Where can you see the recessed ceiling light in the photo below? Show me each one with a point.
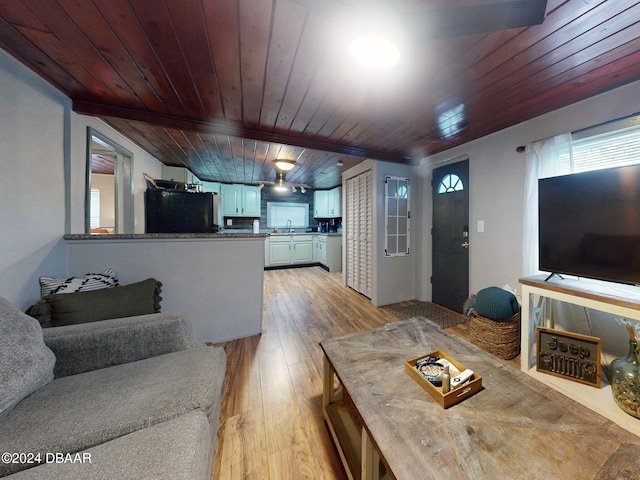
(375, 51)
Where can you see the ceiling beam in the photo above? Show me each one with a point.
(179, 123)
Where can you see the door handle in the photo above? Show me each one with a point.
(465, 245)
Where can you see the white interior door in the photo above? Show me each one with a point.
(359, 233)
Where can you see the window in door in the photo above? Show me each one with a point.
(397, 216)
(450, 183)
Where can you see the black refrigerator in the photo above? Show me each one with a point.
(178, 211)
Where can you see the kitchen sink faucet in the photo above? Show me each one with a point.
(290, 225)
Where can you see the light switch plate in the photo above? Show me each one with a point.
(480, 226)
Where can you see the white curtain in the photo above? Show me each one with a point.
(542, 160)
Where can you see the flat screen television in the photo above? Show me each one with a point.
(589, 224)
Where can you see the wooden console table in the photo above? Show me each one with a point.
(620, 300)
(386, 426)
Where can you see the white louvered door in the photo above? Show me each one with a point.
(359, 226)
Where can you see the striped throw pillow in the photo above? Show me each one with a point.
(91, 281)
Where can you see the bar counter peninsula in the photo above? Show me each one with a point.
(217, 279)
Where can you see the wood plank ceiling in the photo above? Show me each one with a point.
(224, 87)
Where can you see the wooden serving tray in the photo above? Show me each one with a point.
(445, 400)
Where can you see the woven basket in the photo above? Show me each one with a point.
(502, 338)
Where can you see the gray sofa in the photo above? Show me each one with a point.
(132, 398)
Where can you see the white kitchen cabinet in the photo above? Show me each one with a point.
(288, 250)
(331, 254)
(283, 250)
(211, 187)
(321, 204)
(335, 202)
(176, 174)
(302, 249)
(279, 253)
(316, 249)
(181, 174)
(240, 200)
(327, 203)
(230, 200)
(251, 197)
(321, 249)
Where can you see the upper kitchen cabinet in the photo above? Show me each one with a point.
(240, 200)
(327, 203)
(181, 174)
(321, 204)
(335, 202)
(211, 187)
(177, 174)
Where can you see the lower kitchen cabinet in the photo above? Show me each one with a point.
(288, 250)
(331, 255)
(320, 249)
(283, 250)
(302, 249)
(279, 253)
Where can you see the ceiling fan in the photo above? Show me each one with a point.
(281, 184)
(443, 18)
(282, 166)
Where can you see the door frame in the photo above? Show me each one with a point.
(123, 179)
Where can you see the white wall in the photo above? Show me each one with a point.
(43, 151)
(496, 174)
(32, 196)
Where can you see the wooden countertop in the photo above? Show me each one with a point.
(516, 427)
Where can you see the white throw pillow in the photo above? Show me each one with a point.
(26, 363)
(91, 281)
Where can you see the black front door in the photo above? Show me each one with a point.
(450, 233)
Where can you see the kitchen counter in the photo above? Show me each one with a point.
(161, 236)
(304, 233)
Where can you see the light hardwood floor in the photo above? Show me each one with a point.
(271, 425)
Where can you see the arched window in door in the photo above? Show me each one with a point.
(450, 183)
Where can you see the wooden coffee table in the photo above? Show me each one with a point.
(386, 426)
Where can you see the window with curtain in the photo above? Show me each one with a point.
(397, 215)
(614, 144)
(609, 146)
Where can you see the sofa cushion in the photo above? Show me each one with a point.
(26, 363)
(177, 449)
(88, 282)
(90, 346)
(74, 413)
(82, 307)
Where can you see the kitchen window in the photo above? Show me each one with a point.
(287, 215)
